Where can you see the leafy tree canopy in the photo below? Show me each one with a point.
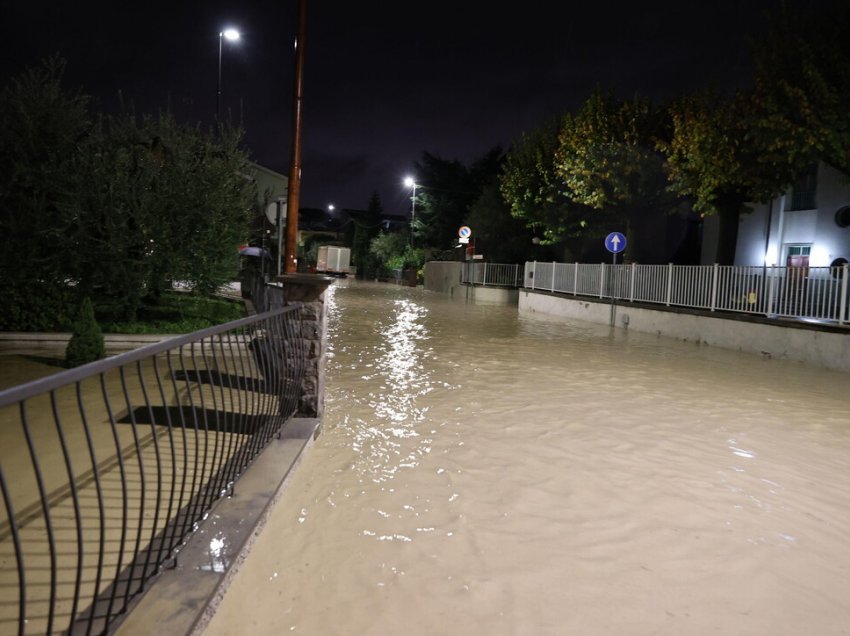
(445, 193)
(111, 208)
(802, 89)
(607, 155)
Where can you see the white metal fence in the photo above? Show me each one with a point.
(498, 274)
(813, 293)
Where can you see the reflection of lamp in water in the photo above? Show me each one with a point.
(218, 556)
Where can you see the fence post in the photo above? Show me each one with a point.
(771, 291)
(575, 280)
(533, 273)
(485, 274)
(669, 282)
(714, 273)
(842, 317)
(552, 288)
(601, 279)
(632, 284)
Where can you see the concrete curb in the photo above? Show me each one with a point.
(183, 599)
(12, 342)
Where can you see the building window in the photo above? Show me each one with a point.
(803, 191)
(799, 250)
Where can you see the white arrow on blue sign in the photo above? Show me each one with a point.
(615, 242)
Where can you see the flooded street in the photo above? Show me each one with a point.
(484, 472)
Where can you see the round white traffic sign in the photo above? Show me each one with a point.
(464, 232)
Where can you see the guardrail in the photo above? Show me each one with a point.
(497, 274)
(106, 469)
(811, 293)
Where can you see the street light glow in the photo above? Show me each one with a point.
(331, 207)
(231, 34)
(409, 182)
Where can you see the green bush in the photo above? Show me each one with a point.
(37, 306)
(86, 344)
(176, 312)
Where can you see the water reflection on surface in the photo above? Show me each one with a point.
(484, 472)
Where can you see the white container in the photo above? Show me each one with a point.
(333, 260)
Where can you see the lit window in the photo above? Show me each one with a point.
(799, 250)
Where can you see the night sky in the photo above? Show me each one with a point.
(383, 81)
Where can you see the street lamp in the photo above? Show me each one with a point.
(410, 183)
(231, 35)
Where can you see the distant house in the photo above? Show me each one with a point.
(272, 191)
(809, 226)
(337, 226)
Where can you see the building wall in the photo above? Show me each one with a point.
(816, 227)
(277, 185)
(443, 276)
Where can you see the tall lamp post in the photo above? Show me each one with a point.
(231, 35)
(410, 183)
(294, 193)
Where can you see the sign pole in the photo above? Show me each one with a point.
(613, 295)
(615, 243)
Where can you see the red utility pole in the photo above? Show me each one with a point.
(290, 261)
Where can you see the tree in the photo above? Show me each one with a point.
(500, 236)
(42, 126)
(535, 194)
(155, 201)
(394, 252)
(447, 190)
(711, 162)
(111, 208)
(366, 227)
(205, 200)
(86, 343)
(608, 161)
(802, 88)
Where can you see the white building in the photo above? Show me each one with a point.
(807, 227)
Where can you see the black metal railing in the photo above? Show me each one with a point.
(106, 469)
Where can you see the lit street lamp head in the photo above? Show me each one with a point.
(230, 34)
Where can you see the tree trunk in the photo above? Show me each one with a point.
(728, 213)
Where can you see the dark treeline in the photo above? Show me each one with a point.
(110, 207)
(627, 164)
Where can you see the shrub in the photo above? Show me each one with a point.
(86, 344)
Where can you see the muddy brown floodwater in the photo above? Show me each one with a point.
(484, 472)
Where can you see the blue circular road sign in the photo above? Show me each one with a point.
(615, 242)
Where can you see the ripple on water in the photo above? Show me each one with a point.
(484, 472)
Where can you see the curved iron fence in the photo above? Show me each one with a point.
(106, 469)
